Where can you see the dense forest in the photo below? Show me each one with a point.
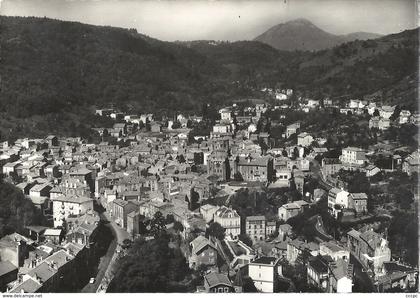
(53, 69)
(16, 212)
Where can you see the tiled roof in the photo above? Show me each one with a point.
(214, 279)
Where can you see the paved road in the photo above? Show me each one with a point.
(316, 171)
(119, 235)
(107, 262)
(362, 282)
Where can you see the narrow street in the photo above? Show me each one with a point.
(362, 281)
(107, 262)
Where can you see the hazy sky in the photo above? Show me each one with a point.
(223, 20)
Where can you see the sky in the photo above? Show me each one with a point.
(222, 19)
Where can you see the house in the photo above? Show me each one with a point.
(155, 127)
(371, 170)
(8, 273)
(133, 221)
(292, 209)
(51, 141)
(312, 103)
(292, 129)
(384, 124)
(230, 220)
(285, 231)
(264, 272)
(208, 211)
(255, 227)
(218, 165)
(119, 130)
(386, 111)
(330, 166)
(10, 168)
(404, 117)
(296, 248)
(397, 276)
(270, 228)
(411, 163)
(85, 176)
(281, 96)
(371, 249)
(226, 114)
(304, 139)
(334, 250)
(317, 271)
(283, 175)
(340, 276)
(104, 112)
(254, 169)
(120, 210)
(218, 283)
(14, 248)
(338, 200)
(374, 122)
(353, 156)
(371, 108)
(53, 235)
(203, 252)
(50, 275)
(359, 202)
(40, 190)
(70, 205)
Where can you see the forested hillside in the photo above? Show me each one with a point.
(53, 72)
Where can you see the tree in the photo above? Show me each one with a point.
(180, 158)
(238, 177)
(178, 227)
(150, 266)
(169, 219)
(216, 230)
(246, 239)
(16, 211)
(157, 224)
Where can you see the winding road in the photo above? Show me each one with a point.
(107, 262)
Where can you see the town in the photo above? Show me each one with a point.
(282, 193)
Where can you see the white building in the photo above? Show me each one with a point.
(66, 206)
(208, 211)
(404, 117)
(340, 277)
(334, 250)
(230, 220)
(304, 139)
(264, 273)
(221, 129)
(353, 155)
(386, 111)
(337, 201)
(225, 114)
(281, 96)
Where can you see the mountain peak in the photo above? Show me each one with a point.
(299, 21)
(302, 34)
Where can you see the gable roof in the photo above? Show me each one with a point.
(199, 243)
(214, 279)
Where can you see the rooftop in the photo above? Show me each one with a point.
(265, 260)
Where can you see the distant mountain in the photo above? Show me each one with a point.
(54, 72)
(301, 34)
